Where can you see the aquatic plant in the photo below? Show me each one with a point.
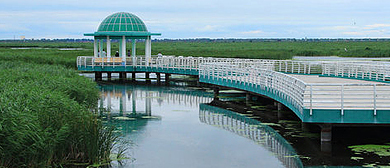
(46, 118)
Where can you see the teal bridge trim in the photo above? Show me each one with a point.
(354, 116)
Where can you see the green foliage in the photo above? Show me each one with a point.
(46, 119)
(271, 50)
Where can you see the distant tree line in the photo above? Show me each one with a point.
(232, 40)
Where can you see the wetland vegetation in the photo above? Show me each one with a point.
(241, 49)
(46, 112)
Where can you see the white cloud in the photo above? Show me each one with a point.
(253, 32)
(209, 28)
(375, 26)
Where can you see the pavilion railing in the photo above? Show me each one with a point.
(287, 66)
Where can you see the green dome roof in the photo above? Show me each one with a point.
(122, 22)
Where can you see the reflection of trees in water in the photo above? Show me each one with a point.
(251, 129)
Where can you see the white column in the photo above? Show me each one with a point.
(95, 47)
(133, 54)
(123, 49)
(108, 46)
(148, 50)
(100, 43)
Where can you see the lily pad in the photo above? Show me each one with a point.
(380, 150)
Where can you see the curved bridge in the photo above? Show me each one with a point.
(316, 91)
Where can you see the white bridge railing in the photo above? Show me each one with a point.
(285, 86)
(288, 66)
(264, 74)
(301, 95)
(371, 70)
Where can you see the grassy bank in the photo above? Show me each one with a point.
(259, 50)
(45, 112)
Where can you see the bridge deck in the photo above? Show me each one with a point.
(356, 94)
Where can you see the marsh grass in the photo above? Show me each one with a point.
(245, 49)
(46, 118)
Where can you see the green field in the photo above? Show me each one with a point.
(259, 50)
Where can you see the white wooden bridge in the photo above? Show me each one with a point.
(316, 91)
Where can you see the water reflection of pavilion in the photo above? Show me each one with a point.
(123, 100)
(252, 129)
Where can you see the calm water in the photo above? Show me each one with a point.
(172, 127)
(176, 127)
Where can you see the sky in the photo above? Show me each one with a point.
(182, 19)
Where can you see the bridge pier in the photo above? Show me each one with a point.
(158, 78)
(98, 76)
(216, 93)
(326, 138)
(167, 75)
(133, 76)
(248, 98)
(122, 75)
(147, 77)
(109, 75)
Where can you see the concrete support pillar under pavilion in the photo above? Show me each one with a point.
(108, 46)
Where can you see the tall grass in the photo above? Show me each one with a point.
(46, 119)
(246, 49)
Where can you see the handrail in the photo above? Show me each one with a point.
(285, 86)
(301, 95)
(270, 75)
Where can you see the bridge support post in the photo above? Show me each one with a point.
(133, 76)
(216, 93)
(109, 75)
(158, 78)
(280, 106)
(98, 76)
(326, 138)
(122, 75)
(248, 98)
(147, 77)
(167, 75)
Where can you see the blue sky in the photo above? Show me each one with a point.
(201, 18)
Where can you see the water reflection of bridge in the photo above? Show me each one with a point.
(122, 99)
(251, 129)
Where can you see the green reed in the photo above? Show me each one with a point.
(46, 118)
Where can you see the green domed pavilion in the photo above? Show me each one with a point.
(122, 26)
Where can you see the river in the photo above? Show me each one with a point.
(181, 126)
